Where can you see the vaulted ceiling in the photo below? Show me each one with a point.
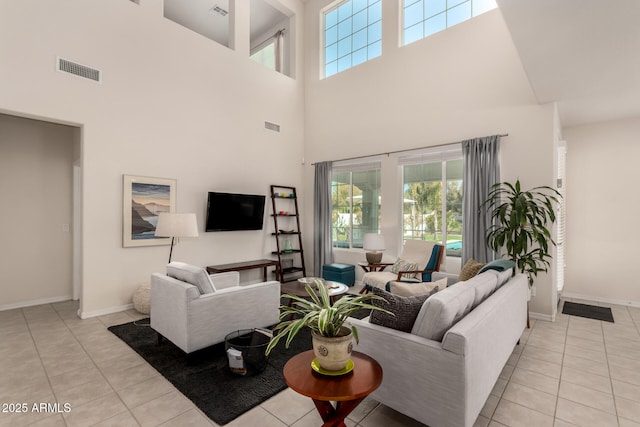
(583, 54)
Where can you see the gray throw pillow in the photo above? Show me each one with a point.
(405, 309)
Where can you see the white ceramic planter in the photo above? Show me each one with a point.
(332, 353)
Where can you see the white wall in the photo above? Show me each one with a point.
(602, 211)
(35, 188)
(458, 84)
(172, 104)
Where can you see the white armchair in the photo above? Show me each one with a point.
(193, 319)
(428, 257)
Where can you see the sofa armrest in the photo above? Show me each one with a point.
(169, 306)
(418, 373)
(212, 316)
(225, 280)
(269, 288)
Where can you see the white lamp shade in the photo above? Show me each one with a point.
(373, 242)
(177, 225)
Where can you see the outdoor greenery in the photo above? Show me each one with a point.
(423, 210)
(356, 204)
(520, 225)
(318, 314)
(355, 201)
(340, 197)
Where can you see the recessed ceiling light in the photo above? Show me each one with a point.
(218, 10)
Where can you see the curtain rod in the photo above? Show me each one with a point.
(282, 30)
(400, 151)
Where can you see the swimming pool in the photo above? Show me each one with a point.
(454, 248)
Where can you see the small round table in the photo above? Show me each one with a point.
(296, 288)
(346, 390)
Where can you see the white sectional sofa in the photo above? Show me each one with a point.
(442, 373)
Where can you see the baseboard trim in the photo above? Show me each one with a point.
(31, 303)
(104, 311)
(601, 300)
(540, 316)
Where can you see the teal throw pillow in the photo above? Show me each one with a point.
(498, 265)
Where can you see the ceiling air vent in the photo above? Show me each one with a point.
(272, 126)
(218, 10)
(79, 70)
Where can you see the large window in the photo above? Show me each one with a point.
(352, 34)
(355, 200)
(432, 204)
(422, 18)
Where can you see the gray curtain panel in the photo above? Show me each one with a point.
(481, 166)
(322, 242)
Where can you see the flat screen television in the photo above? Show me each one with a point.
(230, 212)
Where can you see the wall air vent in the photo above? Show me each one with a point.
(79, 70)
(218, 10)
(272, 126)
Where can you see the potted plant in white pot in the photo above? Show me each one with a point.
(520, 225)
(331, 338)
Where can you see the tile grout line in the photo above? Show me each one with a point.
(99, 370)
(600, 325)
(28, 323)
(613, 394)
(491, 419)
(564, 353)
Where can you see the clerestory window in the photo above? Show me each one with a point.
(422, 18)
(352, 34)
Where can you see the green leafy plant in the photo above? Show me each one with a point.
(520, 225)
(319, 314)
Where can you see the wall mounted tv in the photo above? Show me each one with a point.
(230, 212)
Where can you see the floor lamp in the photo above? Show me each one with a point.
(176, 225)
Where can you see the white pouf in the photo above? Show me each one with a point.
(142, 298)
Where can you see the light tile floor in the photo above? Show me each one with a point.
(571, 372)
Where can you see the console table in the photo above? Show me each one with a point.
(245, 265)
(346, 390)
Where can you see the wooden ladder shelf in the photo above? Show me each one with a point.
(284, 201)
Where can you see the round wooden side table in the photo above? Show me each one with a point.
(346, 390)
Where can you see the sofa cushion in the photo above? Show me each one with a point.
(404, 309)
(484, 284)
(415, 288)
(196, 276)
(379, 279)
(503, 277)
(443, 310)
(470, 269)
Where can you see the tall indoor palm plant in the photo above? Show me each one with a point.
(520, 221)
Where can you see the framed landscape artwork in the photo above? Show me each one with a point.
(144, 199)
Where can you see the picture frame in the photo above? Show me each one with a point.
(143, 199)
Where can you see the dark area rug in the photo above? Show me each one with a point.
(588, 311)
(204, 376)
